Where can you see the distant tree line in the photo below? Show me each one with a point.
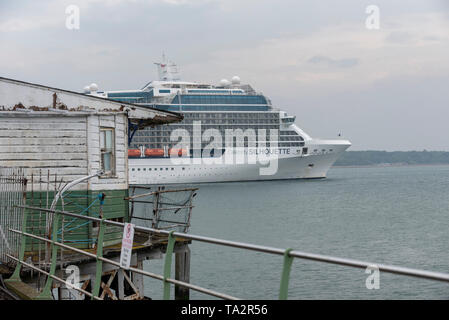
(366, 158)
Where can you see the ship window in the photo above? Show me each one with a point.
(107, 149)
(305, 150)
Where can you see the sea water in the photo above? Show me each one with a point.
(388, 215)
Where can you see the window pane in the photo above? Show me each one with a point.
(108, 139)
(102, 146)
(107, 161)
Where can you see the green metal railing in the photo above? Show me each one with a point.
(288, 255)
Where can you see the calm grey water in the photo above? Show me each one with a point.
(391, 215)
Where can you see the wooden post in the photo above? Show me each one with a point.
(138, 279)
(120, 287)
(182, 273)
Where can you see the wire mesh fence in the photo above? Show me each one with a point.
(162, 209)
(37, 188)
(13, 186)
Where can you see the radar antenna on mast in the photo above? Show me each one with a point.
(167, 70)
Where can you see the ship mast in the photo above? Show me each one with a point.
(167, 70)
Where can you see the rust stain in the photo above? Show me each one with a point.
(55, 97)
(36, 108)
(18, 106)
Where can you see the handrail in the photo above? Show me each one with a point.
(117, 264)
(288, 254)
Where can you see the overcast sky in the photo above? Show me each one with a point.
(385, 89)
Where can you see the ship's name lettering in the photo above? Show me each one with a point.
(268, 151)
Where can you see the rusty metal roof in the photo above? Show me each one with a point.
(27, 98)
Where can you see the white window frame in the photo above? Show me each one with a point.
(104, 150)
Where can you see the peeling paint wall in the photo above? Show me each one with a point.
(67, 146)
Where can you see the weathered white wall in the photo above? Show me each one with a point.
(68, 146)
(118, 122)
(54, 142)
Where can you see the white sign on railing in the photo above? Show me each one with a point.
(127, 245)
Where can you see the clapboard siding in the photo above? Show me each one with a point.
(42, 126)
(20, 133)
(48, 163)
(57, 143)
(42, 149)
(48, 155)
(48, 119)
(43, 141)
(68, 146)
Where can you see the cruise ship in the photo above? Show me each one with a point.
(230, 132)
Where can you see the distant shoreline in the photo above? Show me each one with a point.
(374, 158)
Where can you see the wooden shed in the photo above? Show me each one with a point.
(59, 136)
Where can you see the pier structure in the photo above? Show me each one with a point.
(73, 272)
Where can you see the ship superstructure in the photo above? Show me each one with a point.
(212, 114)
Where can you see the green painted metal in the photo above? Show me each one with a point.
(288, 260)
(16, 275)
(78, 233)
(46, 292)
(167, 264)
(99, 269)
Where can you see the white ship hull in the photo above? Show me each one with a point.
(290, 165)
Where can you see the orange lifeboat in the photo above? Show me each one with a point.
(134, 153)
(180, 152)
(154, 152)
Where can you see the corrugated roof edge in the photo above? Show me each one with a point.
(180, 116)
